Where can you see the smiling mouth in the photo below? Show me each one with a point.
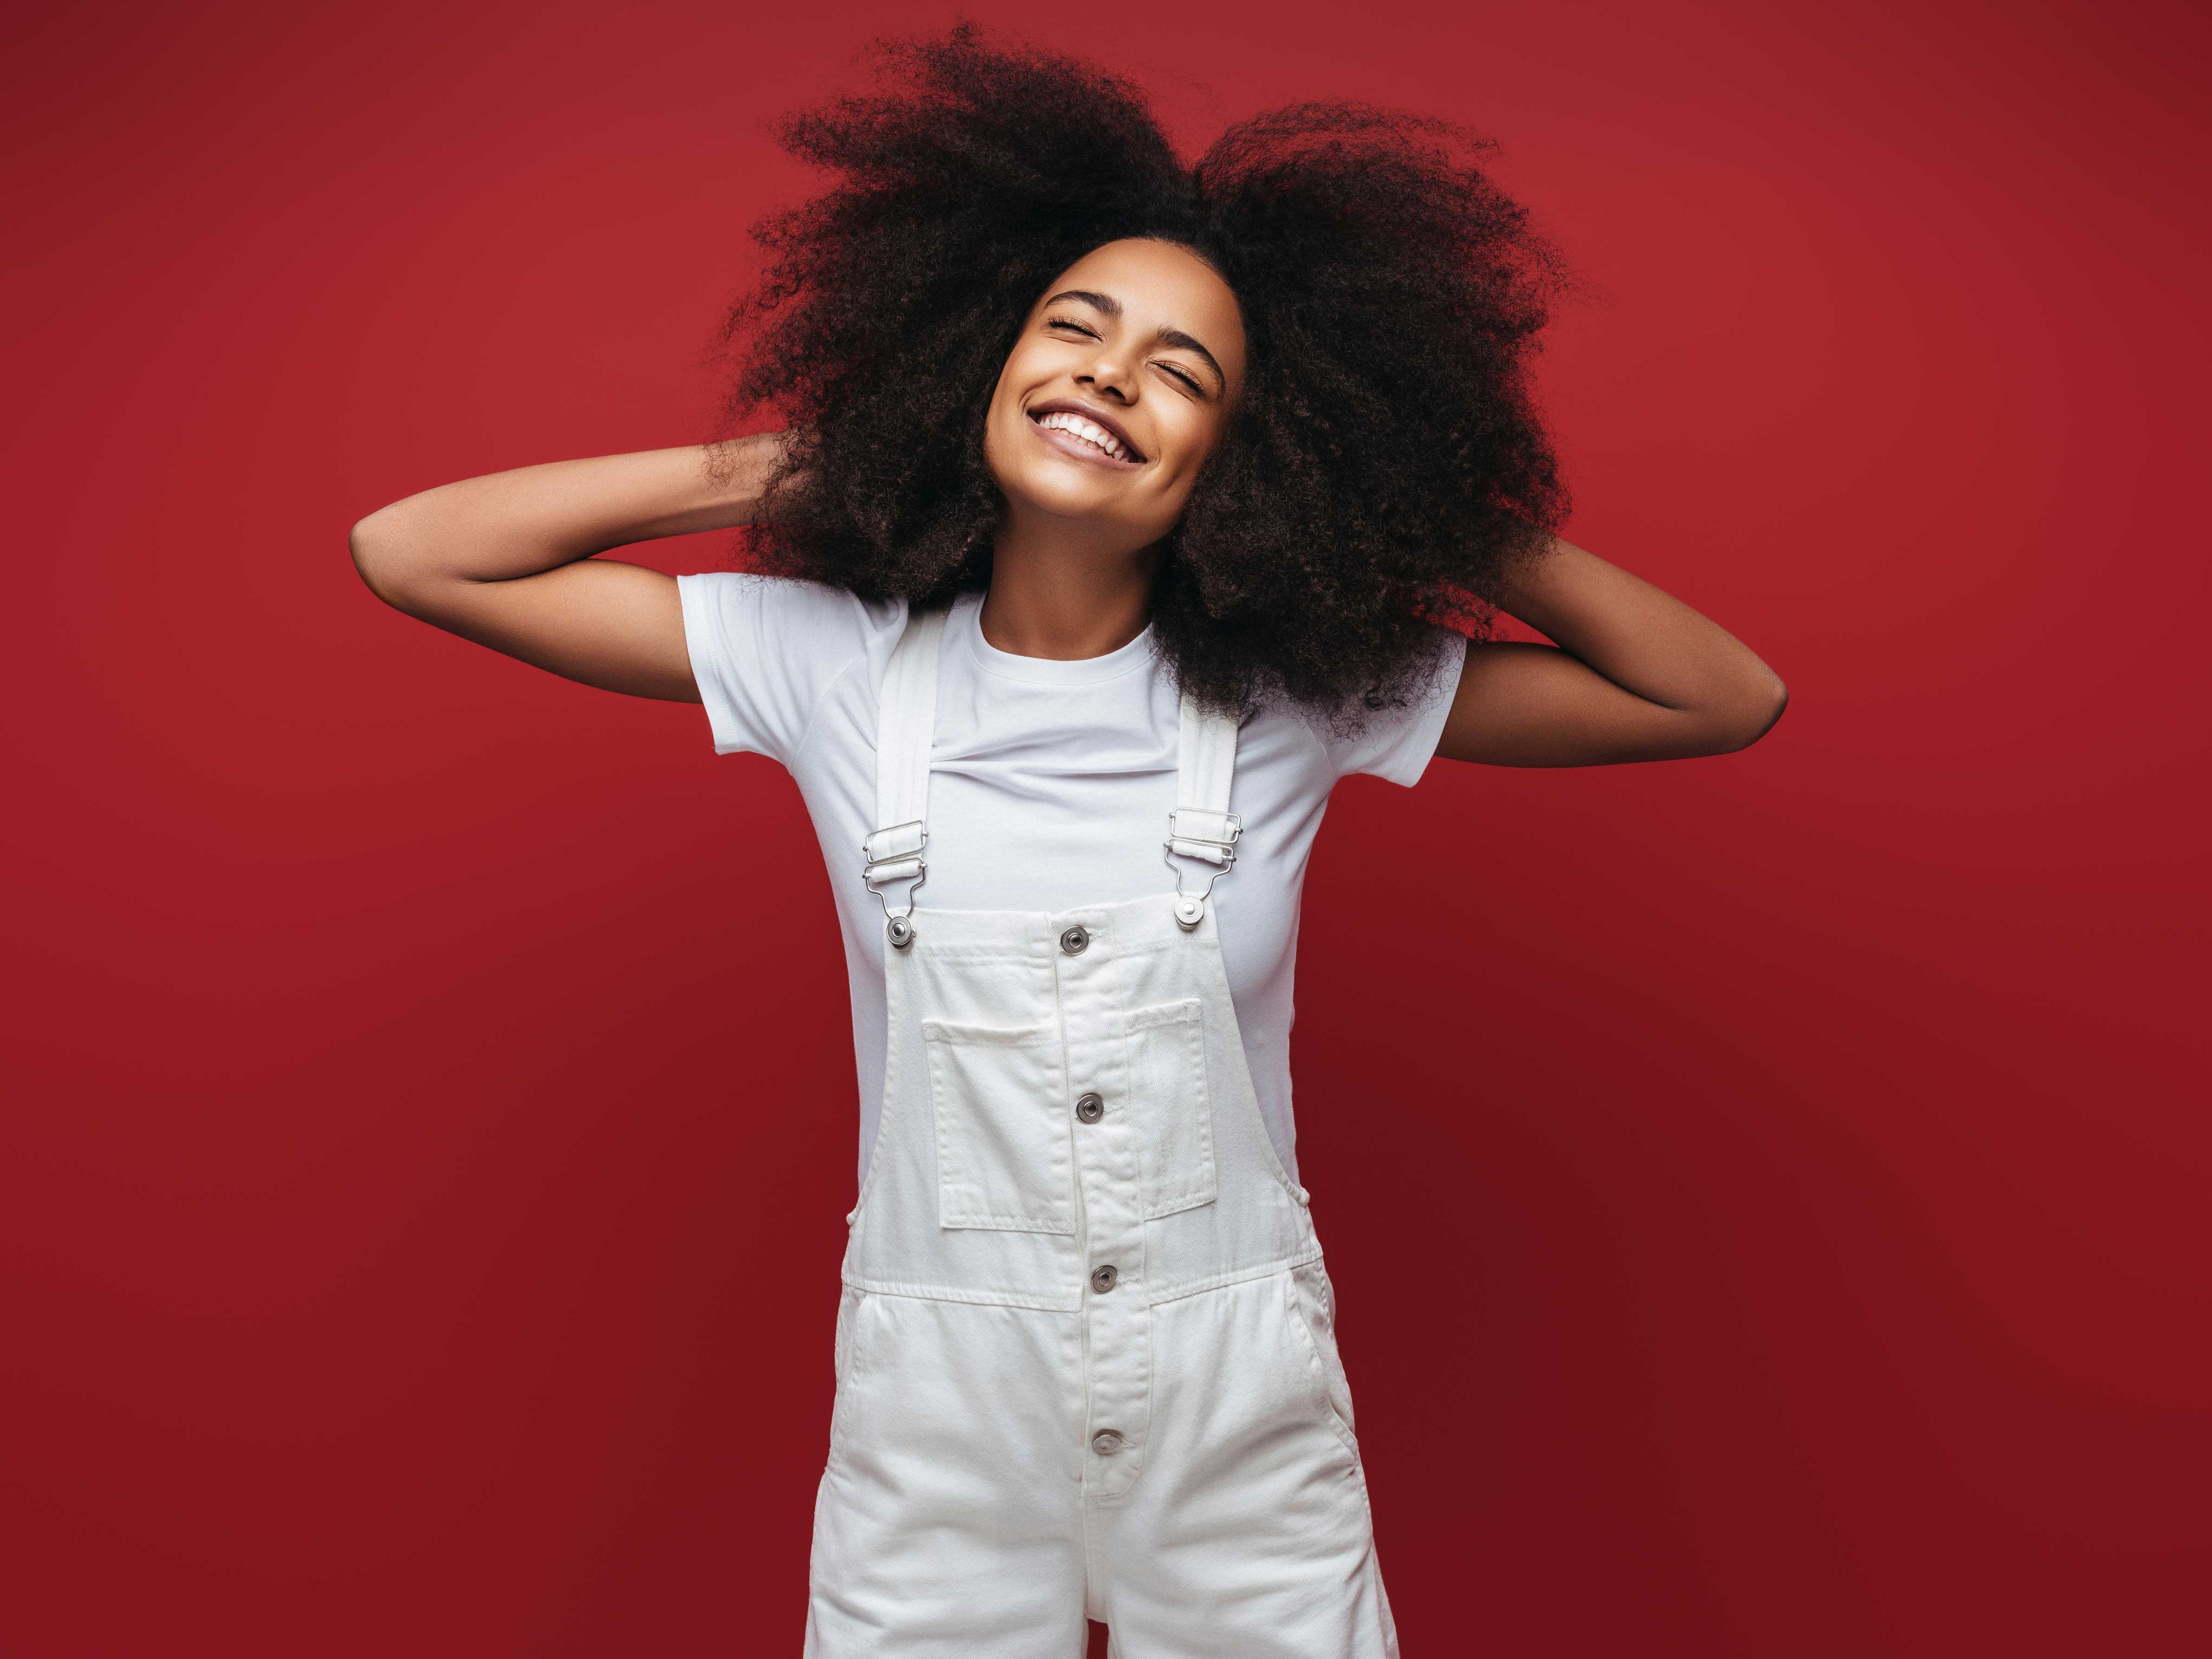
(1080, 435)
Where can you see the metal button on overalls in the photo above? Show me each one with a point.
(1088, 1368)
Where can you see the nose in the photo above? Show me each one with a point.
(1109, 374)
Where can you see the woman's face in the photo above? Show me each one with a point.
(1120, 386)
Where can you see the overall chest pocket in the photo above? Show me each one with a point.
(1003, 1159)
(1173, 1107)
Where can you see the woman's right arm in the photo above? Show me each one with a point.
(506, 560)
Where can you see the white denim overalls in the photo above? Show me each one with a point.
(1085, 1358)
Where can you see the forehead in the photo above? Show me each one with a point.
(1160, 285)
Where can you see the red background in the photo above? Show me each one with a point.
(1768, 1198)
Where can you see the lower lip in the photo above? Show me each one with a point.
(1068, 443)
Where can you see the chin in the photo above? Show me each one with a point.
(1071, 492)
(1063, 503)
(1063, 492)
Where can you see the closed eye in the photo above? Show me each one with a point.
(1089, 333)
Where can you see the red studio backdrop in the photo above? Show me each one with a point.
(1767, 1192)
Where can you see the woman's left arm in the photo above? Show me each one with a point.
(1636, 675)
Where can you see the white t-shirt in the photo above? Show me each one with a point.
(1050, 786)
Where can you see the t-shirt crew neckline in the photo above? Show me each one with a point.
(967, 622)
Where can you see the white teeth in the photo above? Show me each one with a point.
(1090, 431)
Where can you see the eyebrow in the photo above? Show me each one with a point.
(1168, 337)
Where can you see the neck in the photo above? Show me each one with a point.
(1064, 597)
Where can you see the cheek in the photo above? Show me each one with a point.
(1005, 404)
(1001, 423)
(1024, 365)
(1189, 443)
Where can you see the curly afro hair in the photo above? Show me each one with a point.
(1385, 464)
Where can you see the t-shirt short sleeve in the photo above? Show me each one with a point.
(764, 650)
(1398, 743)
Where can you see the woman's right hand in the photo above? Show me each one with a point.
(505, 559)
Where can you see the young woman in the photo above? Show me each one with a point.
(1118, 510)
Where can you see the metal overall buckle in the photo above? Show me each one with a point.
(899, 928)
(1190, 907)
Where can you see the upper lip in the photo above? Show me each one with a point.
(1090, 413)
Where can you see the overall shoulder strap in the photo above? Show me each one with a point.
(1202, 826)
(906, 720)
